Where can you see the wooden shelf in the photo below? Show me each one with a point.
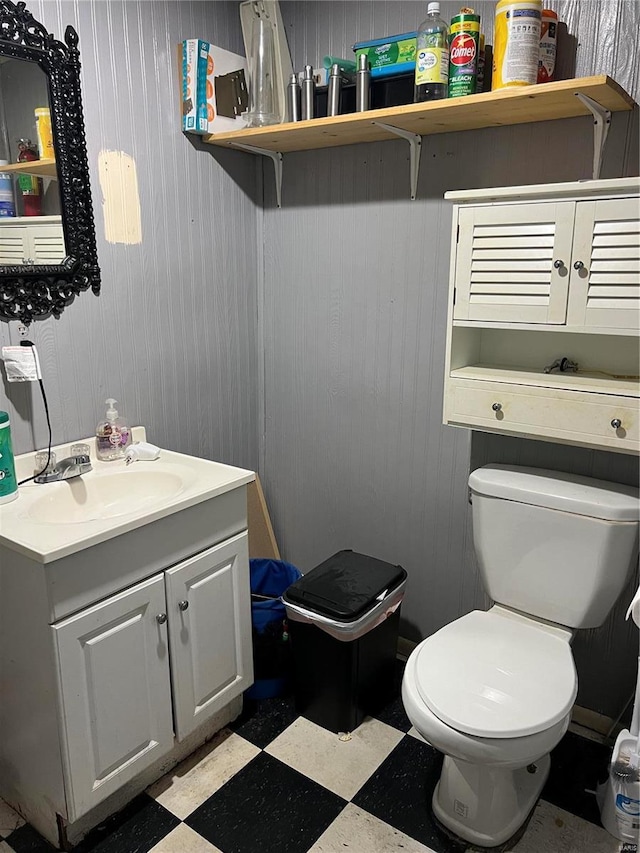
(595, 383)
(42, 168)
(491, 109)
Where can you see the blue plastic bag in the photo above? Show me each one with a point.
(271, 653)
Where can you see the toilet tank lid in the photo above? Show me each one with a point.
(557, 490)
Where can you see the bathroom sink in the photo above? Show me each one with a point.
(56, 519)
(103, 496)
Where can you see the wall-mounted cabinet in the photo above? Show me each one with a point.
(32, 240)
(540, 274)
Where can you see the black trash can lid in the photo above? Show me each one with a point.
(345, 586)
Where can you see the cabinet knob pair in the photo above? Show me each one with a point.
(559, 264)
(161, 618)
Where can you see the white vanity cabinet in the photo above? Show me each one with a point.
(539, 274)
(32, 239)
(121, 658)
(175, 647)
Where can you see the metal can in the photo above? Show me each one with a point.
(548, 45)
(516, 50)
(464, 38)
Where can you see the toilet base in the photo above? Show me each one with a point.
(487, 805)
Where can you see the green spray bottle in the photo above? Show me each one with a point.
(8, 484)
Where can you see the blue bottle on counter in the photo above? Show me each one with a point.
(7, 200)
(8, 483)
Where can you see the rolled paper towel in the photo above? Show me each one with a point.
(634, 608)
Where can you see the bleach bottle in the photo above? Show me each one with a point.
(8, 483)
(619, 796)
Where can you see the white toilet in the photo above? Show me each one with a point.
(494, 690)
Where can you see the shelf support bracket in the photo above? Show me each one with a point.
(275, 157)
(601, 125)
(415, 144)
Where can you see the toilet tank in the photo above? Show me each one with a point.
(556, 546)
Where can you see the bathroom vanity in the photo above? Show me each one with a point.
(541, 277)
(125, 631)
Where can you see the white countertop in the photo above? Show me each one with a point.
(43, 541)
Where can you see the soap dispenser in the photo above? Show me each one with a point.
(112, 435)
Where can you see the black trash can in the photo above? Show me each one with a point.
(343, 620)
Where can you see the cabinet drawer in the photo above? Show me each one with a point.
(571, 416)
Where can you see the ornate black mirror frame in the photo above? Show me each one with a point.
(32, 292)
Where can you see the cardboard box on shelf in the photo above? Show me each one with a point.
(213, 87)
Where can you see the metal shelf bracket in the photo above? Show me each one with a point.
(275, 157)
(415, 144)
(601, 125)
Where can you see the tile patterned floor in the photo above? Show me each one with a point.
(273, 781)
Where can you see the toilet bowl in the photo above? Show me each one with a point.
(495, 712)
(494, 690)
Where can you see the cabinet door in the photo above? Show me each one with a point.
(46, 244)
(115, 692)
(209, 606)
(13, 246)
(505, 262)
(605, 290)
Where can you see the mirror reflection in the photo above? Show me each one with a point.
(30, 221)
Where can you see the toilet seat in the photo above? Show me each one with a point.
(496, 674)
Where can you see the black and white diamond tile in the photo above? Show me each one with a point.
(267, 806)
(274, 782)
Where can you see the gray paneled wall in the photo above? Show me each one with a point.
(172, 336)
(354, 309)
(316, 332)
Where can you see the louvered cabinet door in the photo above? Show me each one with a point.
(13, 244)
(47, 244)
(605, 288)
(505, 262)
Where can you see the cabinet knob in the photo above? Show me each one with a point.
(497, 407)
(183, 605)
(578, 265)
(161, 618)
(558, 264)
(616, 423)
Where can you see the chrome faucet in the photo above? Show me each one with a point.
(66, 469)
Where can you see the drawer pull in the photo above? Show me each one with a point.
(497, 407)
(558, 264)
(616, 423)
(578, 265)
(161, 618)
(183, 605)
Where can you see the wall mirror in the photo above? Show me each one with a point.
(47, 235)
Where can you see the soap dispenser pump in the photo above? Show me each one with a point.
(112, 435)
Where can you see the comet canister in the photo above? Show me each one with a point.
(464, 38)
